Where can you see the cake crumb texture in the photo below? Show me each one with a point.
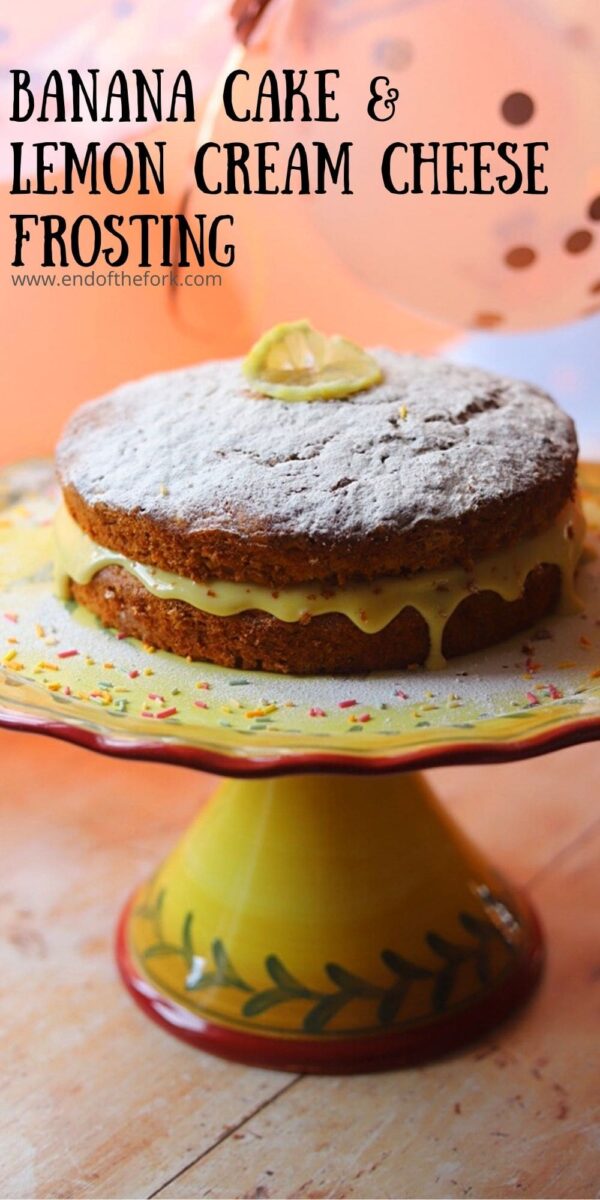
(324, 645)
(192, 472)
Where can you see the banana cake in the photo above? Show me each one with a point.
(424, 511)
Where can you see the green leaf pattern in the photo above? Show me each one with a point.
(324, 1006)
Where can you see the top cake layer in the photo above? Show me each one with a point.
(194, 472)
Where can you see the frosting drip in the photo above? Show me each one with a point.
(371, 606)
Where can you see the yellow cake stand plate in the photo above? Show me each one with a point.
(322, 914)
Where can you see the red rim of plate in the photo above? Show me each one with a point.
(292, 762)
(351, 1055)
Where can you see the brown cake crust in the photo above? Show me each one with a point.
(283, 560)
(327, 644)
(192, 473)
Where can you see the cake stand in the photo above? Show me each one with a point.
(322, 914)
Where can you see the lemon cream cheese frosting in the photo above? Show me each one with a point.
(370, 606)
(399, 510)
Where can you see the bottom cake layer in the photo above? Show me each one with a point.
(327, 644)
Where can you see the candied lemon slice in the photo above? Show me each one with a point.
(295, 362)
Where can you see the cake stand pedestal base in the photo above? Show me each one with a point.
(328, 923)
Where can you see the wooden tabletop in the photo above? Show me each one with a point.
(97, 1101)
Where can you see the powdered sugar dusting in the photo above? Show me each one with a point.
(197, 446)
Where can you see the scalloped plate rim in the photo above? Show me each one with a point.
(232, 763)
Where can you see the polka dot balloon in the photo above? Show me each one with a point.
(467, 72)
